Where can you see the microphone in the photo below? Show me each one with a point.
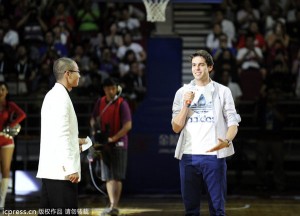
(188, 103)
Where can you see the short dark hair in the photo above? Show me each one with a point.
(204, 54)
(110, 82)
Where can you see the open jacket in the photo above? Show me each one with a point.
(225, 115)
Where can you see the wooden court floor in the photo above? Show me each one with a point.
(162, 205)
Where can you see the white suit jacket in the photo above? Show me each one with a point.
(59, 147)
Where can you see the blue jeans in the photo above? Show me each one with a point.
(203, 171)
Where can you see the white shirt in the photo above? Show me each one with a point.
(11, 38)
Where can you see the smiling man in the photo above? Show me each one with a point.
(205, 116)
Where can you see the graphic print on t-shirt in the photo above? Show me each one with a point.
(199, 130)
(202, 107)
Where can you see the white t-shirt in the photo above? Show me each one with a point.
(200, 130)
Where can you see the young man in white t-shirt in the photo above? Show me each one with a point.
(204, 113)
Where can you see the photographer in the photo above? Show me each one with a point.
(110, 123)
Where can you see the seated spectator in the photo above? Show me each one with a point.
(62, 18)
(225, 61)
(259, 37)
(229, 7)
(113, 39)
(109, 64)
(61, 36)
(31, 26)
(245, 15)
(51, 44)
(234, 87)
(293, 27)
(10, 36)
(250, 69)
(129, 23)
(26, 70)
(7, 72)
(250, 56)
(280, 79)
(213, 38)
(275, 14)
(270, 119)
(124, 65)
(134, 85)
(296, 74)
(88, 18)
(223, 45)
(227, 25)
(278, 34)
(96, 76)
(129, 44)
(80, 55)
(44, 79)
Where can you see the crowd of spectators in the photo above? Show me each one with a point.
(104, 38)
(254, 43)
(257, 42)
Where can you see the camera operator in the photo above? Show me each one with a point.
(110, 123)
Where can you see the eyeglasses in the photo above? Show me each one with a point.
(74, 71)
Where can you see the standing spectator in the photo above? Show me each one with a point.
(205, 116)
(112, 117)
(10, 115)
(59, 137)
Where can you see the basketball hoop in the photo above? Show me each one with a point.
(156, 10)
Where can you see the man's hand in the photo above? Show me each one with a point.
(81, 142)
(74, 178)
(221, 144)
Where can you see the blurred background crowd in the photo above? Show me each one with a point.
(105, 39)
(248, 39)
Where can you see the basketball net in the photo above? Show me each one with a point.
(156, 10)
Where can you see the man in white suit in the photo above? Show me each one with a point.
(59, 162)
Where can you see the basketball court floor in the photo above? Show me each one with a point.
(169, 205)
